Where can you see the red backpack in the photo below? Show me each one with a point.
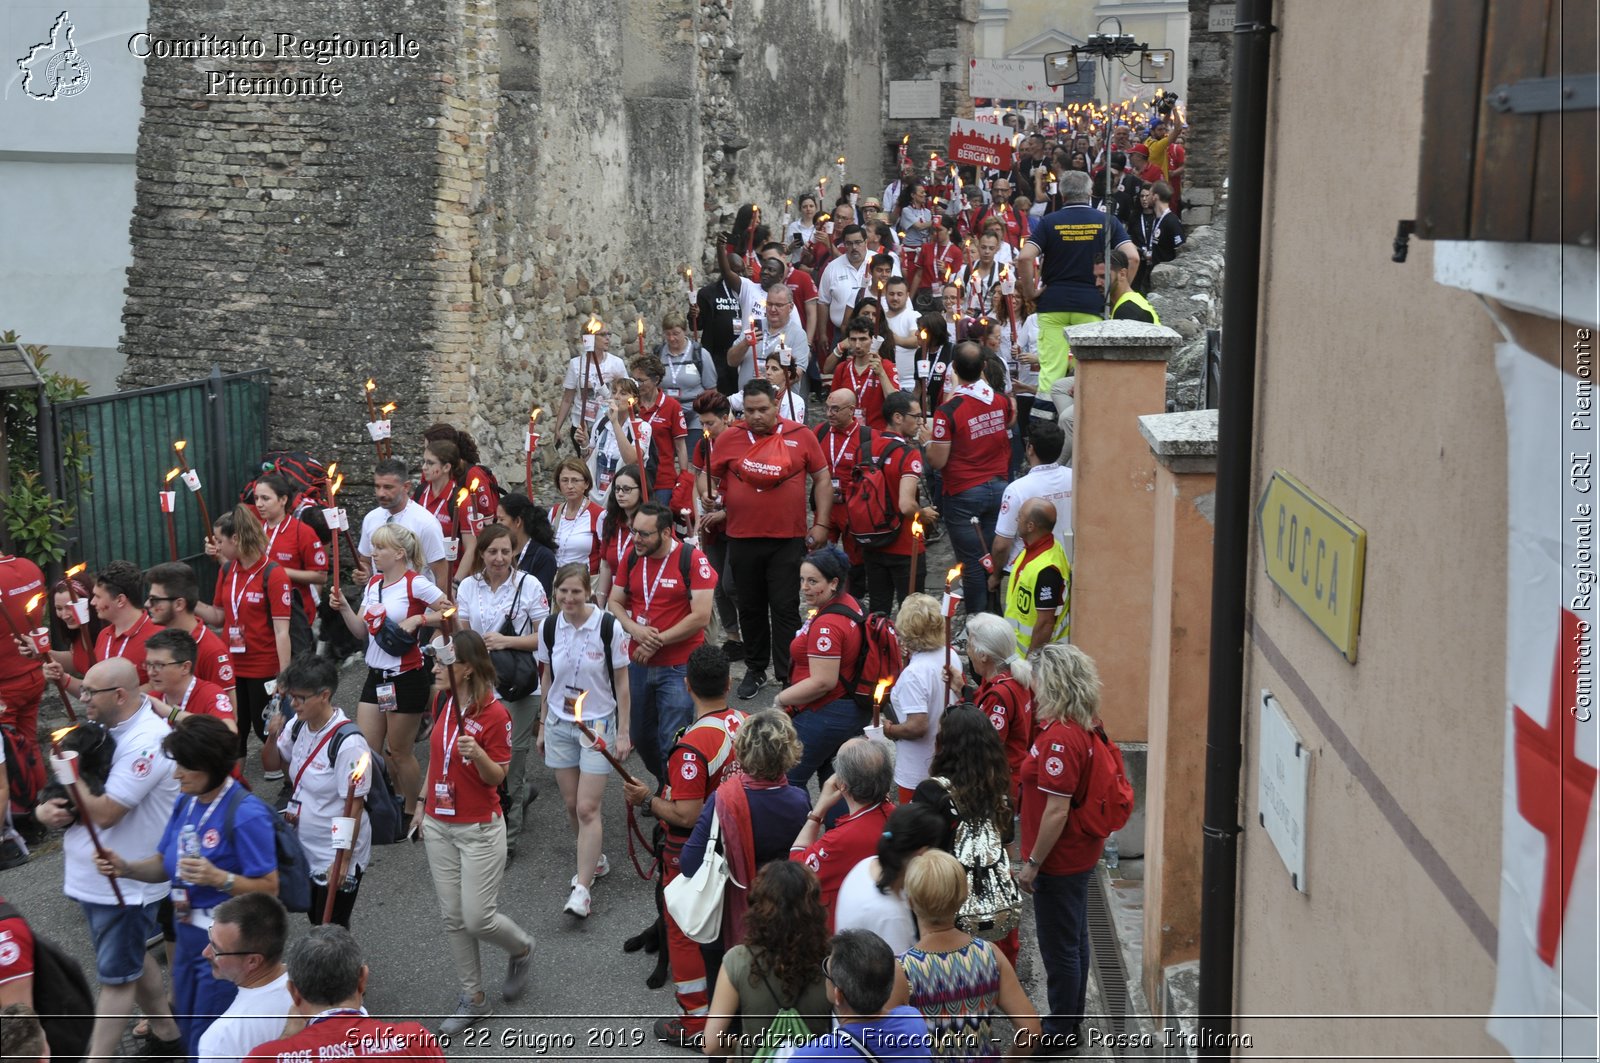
(1106, 799)
(872, 508)
(881, 656)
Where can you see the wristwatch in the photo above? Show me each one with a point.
(1030, 861)
(227, 883)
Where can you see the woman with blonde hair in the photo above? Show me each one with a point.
(251, 605)
(461, 824)
(1058, 855)
(921, 694)
(959, 982)
(396, 602)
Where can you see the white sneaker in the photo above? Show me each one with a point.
(272, 776)
(601, 870)
(578, 903)
(467, 1014)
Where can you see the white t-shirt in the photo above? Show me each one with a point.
(596, 392)
(1051, 482)
(1027, 342)
(323, 788)
(605, 457)
(580, 664)
(919, 690)
(416, 519)
(397, 603)
(859, 906)
(807, 233)
(794, 338)
(256, 1016)
(484, 609)
(141, 780)
(841, 285)
(574, 536)
(905, 323)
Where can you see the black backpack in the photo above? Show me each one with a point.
(385, 812)
(65, 1003)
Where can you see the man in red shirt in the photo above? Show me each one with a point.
(21, 677)
(173, 594)
(175, 690)
(663, 599)
(865, 374)
(118, 598)
(696, 765)
(842, 437)
(669, 432)
(863, 775)
(938, 260)
(971, 445)
(898, 450)
(327, 962)
(761, 466)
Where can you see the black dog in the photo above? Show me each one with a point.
(96, 748)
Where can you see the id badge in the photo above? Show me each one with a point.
(235, 638)
(861, 416)
(673, 392)
(604, 483)
(452, 548)
(922, 369)
(386, 698)
(291, 813)
(444, 799)
(591, 411)
(571, 705)
(180, 902)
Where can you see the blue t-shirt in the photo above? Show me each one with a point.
(902, 1035)
(1071, 241)
(250, 851)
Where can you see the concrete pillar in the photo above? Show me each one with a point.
(1122, 374)
(1184, 446)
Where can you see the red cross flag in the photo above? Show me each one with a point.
(1545, 990)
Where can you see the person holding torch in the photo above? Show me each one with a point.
(21, 678)
(461, 825)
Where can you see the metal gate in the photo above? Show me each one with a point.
(130, 435)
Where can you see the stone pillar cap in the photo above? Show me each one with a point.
(1184, 442)
(1126, 341)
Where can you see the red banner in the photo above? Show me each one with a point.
(980, 143)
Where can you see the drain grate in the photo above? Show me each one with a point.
(1107, 959)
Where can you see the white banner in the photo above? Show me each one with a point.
(1010, 79)
(1545, 988)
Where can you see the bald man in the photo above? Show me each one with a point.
(1039, 592)
(130, 815)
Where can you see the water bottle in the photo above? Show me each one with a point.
(1111, 853)
(188, 842)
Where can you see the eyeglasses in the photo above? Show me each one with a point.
(831, 408)
(157, 598)
(602, 333)
(855, 243)
(87, 692)
(622, 489)
(149, 664)
(211, 943)
(301, 699)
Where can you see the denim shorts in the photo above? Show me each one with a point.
(119, 939)
(566, 747)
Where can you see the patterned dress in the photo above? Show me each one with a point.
(958, 993)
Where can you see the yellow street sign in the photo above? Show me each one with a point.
(1316, 555)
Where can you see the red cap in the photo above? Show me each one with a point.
(1139, 149)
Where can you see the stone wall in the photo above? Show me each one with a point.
(1187, 294)
(1210, 98)
(927, 40)
(448, 222)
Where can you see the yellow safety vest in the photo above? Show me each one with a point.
(1020, 608)
(1137, 300)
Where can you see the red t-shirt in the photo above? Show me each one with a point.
(204, 699)
(935, 264)
(805, 291)
(756, 512)
(16, 947)
(979, 438)
(841, 450)
(852, 839)
(867, 387)
(455, 518)
(212, 661)
(1057, 760)
(905, 461)
(293, 544)
(1009, 706)
(128, 644)
(251, 604)
(474, 800)
(20, 579)
(484, 502)
(658, 598)
(350, 1036)
(667, 426)
(616, 550)
(825, 635)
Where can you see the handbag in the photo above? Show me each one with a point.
(516, 674)
(993, 908)
(695, 901)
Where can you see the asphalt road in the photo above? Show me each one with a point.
(586, 997)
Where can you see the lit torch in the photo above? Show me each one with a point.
(597, 742)
(191, 480)
(877, 699)
(916, 547)
(387, 449)
(333, 516)
(641, 337)
(952, 597)
(344, 837)
(64, 764)
(533, 444)
(169, 503)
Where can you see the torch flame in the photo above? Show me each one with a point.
(461, 495)
(33, 603)
(451, 612)
(916, 526)
(76, 569)
(688, 275)
(387, 408)
(641, 326)
(173, 475)
(593, 326)
(333, 490)
(370, 385)
(577, 706)
(472, 484)
(841, 160)
(924, 334)
(179, 445)
(880, 690)
(333, 467)
(359, 772)
(57, 735)
(953, 575)
(906, 139)
(533, 418)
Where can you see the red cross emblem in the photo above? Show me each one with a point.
(1555, 788)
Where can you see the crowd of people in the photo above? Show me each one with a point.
(761, 487)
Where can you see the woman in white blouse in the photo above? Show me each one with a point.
(576, 518)
(506, 607)
(919, 696)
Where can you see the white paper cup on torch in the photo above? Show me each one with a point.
(951, 600)
(588, 343)
(379, 430)
(191, 480)
(80, 606)
(444, 650)
(336, 518)
(41, 640)
(533, 441)
(344, 832)
(873, 733)
(64, 767)
(169, 504)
